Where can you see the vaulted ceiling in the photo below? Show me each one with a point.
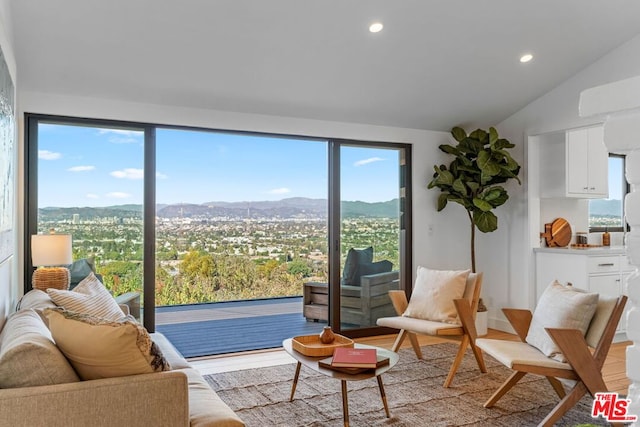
(435, 64)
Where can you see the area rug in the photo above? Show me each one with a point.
(414, 392)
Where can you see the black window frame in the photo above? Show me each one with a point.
(625, 226)
(32, 120)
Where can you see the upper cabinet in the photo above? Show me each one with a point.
(574, 164)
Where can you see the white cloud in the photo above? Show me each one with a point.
(81, 168)
(92, 196)
(129, 173)
(48, 155)
(160, 175)
(122, 136)
(118, 195)
(279, 191)
(367, 161)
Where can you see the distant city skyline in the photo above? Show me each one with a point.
(89, 166)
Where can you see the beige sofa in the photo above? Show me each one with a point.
(179, 397)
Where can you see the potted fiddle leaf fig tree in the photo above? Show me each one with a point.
(481, 163)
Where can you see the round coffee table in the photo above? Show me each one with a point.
(312, 362)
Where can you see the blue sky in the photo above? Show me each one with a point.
(87, 166)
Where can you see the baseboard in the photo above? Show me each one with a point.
(501, 325)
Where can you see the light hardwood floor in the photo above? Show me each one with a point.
(614, 368)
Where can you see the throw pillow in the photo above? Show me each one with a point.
(433, 295)
(79, 270)
(90, 297)
(560, 307)
(355, 257)
(101, 348)
(28, 355)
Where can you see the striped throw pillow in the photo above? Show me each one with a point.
(89, 297)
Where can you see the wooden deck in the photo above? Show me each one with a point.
(226, 310)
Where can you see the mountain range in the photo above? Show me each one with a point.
(605, 207)
(295, 207)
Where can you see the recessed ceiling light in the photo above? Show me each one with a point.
(526, 58)
(376, 27)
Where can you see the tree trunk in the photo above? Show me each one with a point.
(473, 243)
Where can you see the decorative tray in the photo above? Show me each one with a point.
(310, 345)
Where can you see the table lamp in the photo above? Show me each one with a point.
(51, 253)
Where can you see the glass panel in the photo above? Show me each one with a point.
(609, 213)
(369, 234)
(239, 217)
(90, 186)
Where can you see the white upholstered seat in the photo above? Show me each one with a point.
(464, 331)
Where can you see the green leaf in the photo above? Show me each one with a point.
(485, 221)
(487, 165)
(482, 205)
(493, 135)
(473, 186)
(480, 135)
(444, 178)
(450, 149)
(458, 134)
(496, 196)
(442, 201)
(459, 186)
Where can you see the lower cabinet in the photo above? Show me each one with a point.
(601, 273)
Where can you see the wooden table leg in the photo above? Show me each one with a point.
(295, 381)
(345, 404)
(383, 395)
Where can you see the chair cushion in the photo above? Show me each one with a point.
(355, 257)
(28, 355)
(89, 297)
(560, 307)
(433, 295)
(425, 327)
(372, 268)
(510, 353)
(101, 348)
(605, 308)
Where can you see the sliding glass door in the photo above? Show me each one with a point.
(370, 233)
(189, 216)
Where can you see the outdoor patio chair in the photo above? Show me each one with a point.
(461, 328)
(572, 360)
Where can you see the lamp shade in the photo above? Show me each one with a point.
(51, 249)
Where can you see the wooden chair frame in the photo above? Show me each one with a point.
(586, 367)
(466, 333)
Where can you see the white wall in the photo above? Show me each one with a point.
(8, 269)
(554, 111)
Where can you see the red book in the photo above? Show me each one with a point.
(344, 357)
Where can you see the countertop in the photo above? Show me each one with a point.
(603, 250)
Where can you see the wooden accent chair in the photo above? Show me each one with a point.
(582, 366)
(464, 332)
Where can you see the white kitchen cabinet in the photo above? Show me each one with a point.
(595, 270)
(574, 164)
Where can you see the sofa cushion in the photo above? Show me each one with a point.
(37, 300)
(173, 356)
(28, 355)
(433, 295)
(560, 307)
(205, 406)
(102, 348)
(89, 297)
